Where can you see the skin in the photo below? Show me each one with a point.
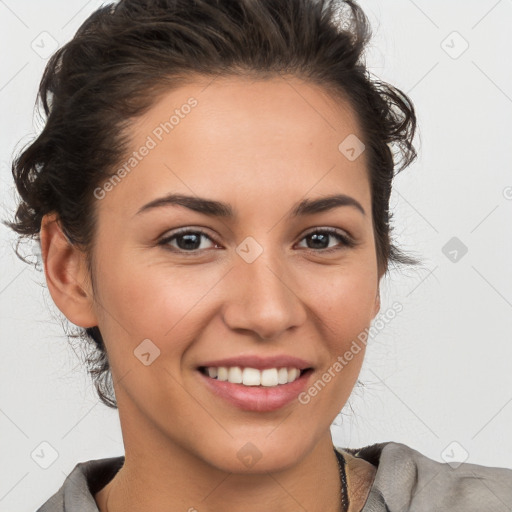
(261, 146)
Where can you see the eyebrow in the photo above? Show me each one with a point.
(224, 210)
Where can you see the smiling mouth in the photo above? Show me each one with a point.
(252, 377)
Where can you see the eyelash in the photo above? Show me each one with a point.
(346, 241)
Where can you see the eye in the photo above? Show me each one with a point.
(321, 237)
(187, 241)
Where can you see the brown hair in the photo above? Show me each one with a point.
(124, 55)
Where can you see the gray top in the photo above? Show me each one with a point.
(405, 480)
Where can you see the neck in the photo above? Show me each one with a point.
(185, 482)
(200, 470)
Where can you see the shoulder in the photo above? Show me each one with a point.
(77, 492)
(408, 480)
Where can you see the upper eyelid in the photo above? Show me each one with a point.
(330, 229)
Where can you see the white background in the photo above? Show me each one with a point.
(439, 372)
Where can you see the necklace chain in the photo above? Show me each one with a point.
(343, 480)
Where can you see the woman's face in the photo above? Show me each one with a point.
(258, 283)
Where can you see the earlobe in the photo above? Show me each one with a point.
(66, 274)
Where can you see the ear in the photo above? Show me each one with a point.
(66, 274)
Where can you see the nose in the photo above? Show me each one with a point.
(263, 297)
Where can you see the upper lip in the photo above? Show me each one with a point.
(260, 362)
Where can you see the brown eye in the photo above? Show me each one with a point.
(187, 241)
(319, 240)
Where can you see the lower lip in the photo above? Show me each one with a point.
(258, 398)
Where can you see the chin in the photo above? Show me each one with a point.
(255, 456)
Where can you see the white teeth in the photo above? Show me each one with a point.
(235, 375)
(282, 375)
(251, 377)
(269, 377)
(293, 373)
(222, 373)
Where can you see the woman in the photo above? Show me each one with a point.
(252, 129)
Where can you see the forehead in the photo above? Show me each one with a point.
(214, 137)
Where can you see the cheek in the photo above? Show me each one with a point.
(344, 303)
(146, 310)
(142, 299)
(343, 310)
(139, 301)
